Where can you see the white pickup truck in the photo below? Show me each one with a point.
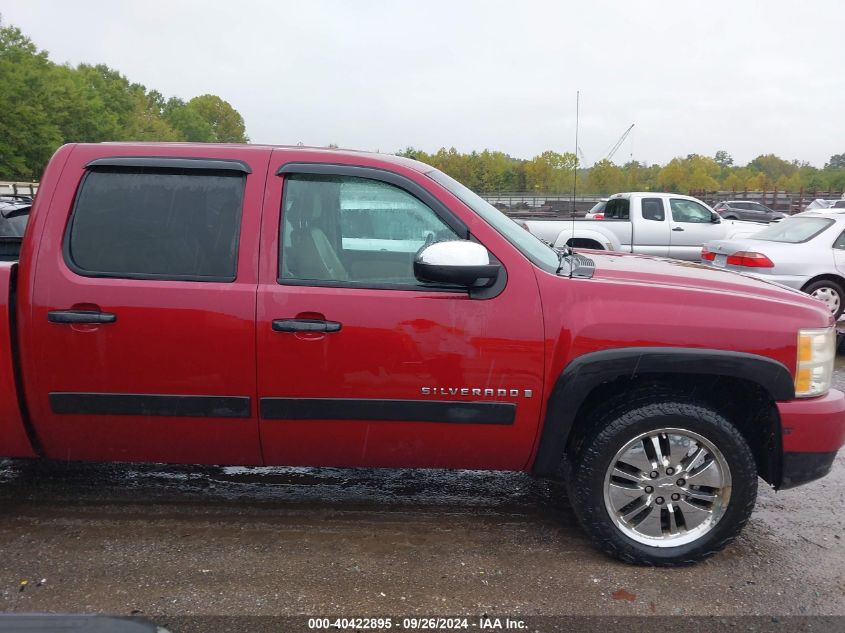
(663, 224)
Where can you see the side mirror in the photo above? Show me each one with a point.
(715, 218)
(458, 262)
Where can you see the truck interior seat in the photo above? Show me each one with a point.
(311, 254)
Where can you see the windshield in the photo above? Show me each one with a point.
(530, 246)
(793, 230)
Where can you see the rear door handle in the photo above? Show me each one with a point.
(677, 228)
(305, 325)
(80, 316)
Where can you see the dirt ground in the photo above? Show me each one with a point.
(165, 541)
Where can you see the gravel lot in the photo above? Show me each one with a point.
(164, 541)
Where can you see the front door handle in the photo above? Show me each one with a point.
(678, 228)
(305, 325)
(80, 316)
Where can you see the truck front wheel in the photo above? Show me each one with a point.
(663, 482)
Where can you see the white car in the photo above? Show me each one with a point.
(805, 252)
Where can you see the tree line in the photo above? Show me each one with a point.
(552, 172)
(44, 104)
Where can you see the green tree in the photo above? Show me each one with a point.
(188, 122)
(606, 178)
(773, 167)
(837, 161)
(28, 135)
(723, 158)
(44, 105)
(226, 122)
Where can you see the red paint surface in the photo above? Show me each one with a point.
(816, 425)
(215, 338)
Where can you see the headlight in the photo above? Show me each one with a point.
(816, 352)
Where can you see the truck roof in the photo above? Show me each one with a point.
(330, 153)
(651, 194)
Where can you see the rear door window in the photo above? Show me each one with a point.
(156, 224)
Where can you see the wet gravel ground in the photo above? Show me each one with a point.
(159, 541)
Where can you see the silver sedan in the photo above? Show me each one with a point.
(805, 252)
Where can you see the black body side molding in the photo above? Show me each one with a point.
(587, 372)
(150, 404)
(453, 412)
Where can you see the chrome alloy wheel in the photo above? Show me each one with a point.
(829, 296)
(667, 487)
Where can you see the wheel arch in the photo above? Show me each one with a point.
(584, 242)
(596, 234)
(839, 279)
(615, 372)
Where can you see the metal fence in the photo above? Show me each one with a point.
(18, 188)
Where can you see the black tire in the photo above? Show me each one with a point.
(730, 217)
(619, 424)
(827, 284)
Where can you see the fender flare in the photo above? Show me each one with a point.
(586, 372)
(599, 236)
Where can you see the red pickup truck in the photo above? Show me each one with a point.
(223, 304)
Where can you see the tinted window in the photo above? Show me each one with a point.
(653, 209)
(617, 209)
(156, 224)
(689, 211)
(345, 229)
(793, 230)
(840, 242)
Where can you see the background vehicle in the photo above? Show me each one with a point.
(223, 304)
(597, 211)
(14, 214)
(663, 224)
(747, 210)
(820, 204)
(805, 252)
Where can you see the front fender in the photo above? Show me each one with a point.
(583, 374)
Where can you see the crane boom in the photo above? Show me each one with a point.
(619, 143)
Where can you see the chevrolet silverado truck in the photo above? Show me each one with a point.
(258, 305)
(662, 224)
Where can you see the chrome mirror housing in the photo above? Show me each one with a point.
(456, 262)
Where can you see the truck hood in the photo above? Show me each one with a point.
(648, 270)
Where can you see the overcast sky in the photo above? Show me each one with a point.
(748, 77)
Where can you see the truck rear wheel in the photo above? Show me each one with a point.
(663, 482)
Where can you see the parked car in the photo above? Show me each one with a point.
(805, 252)
(663, 224)
(821, 204)
(14, 214)
(200, 303)
(597, 210)
(747, 210)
